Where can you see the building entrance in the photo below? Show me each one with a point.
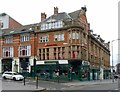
(6, 65)
(24, 62)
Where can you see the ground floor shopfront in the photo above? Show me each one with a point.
(68, 70)
(52, 69)
(16, 64)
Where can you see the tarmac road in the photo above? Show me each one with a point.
(30, 84)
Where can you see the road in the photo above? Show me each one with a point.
(8, 84)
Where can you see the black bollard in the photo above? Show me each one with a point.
(37, 82)
(24, 80)
(58, 78)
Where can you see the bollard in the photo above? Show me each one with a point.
(112, 78)
(58, 78)
(37, 82)
(24, 80)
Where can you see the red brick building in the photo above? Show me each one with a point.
(6, 22)
(62, 42)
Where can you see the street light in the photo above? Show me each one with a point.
(34, 60)
(112, 57)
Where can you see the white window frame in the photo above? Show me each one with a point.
(9, 50)
(44, 38)
(59, 37)
(24, 37)
(26, 48)
(53, 24)
(74, 35)
(8, 39)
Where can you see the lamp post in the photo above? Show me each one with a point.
(34, 60)
(112, 58)
(1, 47)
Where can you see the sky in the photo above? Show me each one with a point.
(101, 14)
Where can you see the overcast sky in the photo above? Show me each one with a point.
(101, 14)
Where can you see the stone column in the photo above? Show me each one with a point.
(15, 65)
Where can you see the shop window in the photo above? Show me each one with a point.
(84, 73)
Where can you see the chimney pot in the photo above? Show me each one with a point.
(43, 16)
(55, 10)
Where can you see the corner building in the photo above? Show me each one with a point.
(67, 47)
(61, 45)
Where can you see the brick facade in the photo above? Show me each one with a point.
(72, 40)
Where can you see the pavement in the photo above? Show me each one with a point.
(85, 83)
(21, 86)
(82, 83)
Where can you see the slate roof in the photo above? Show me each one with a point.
(59, 16)
(23, 29)
(27, 28)
(75, 14)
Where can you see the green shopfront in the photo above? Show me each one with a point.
(62, 70)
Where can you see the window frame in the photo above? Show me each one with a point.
(24, 37)
(44, 38)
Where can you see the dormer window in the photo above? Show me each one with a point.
(50, 25)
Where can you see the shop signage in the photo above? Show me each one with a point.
(50, 44)
(63, 61)
(50, 62)
(39, 62)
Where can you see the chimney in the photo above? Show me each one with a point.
(84, 8)
(55, 10)
(43, 16)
